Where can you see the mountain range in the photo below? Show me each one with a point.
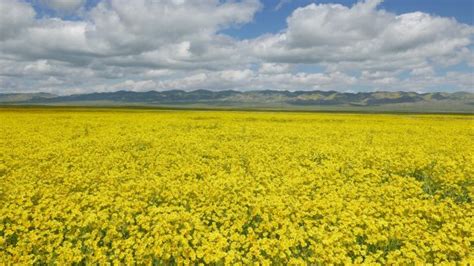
(269, 99)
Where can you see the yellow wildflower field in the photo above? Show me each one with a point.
(179, 187)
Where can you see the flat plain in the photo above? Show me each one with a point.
(180, 186)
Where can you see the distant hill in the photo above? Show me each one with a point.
(300, 100)
(24, 97)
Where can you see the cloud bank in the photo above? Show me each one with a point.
(179, 44)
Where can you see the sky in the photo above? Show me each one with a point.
(83, 46)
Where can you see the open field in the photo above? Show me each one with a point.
(175, 186)
(273, 109)
(421, 108)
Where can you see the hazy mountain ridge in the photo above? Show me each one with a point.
(24, 97)
(265, 98)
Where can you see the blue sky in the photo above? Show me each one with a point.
(102, 45)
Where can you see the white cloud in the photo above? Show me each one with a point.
(246, 79)
(181, 44)
(15, 18)
(362, 36)
(180, 31)
(156, 73)
(423, 71)
(132, 85)
(272, 68)
(117, 26)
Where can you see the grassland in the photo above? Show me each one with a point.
(147, 186)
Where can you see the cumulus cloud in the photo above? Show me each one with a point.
(16, 17)
(272, 68)
(166, 34)
(246, 79)
(116, 25)
(362, 36)
(181, 44)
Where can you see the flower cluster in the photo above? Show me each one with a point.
(180, 187)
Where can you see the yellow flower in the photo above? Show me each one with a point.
(161, 187)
